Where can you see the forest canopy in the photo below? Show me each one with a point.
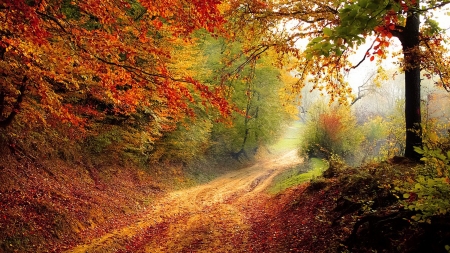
(82, 65)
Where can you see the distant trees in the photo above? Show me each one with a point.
(256, 91)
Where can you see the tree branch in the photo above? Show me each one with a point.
(365, 55)
(441, 77)
(55, 20)
(361, 90)
(433, 7)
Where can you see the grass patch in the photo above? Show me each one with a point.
(297, 175)
(290, 140)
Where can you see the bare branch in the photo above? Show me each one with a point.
(362, 89)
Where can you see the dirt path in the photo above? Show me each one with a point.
(206, 218)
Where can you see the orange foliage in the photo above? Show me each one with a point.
(331, 123)
(77, 60)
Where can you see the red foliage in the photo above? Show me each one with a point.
(81, 54)
(54, 206)
(294, 221)
(331, 123)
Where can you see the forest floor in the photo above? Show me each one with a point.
(212, 217)
(347, 210)
(50, 205)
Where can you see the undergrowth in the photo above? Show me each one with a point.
(348, 209)
(48, 204)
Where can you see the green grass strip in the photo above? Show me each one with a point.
(298, 175)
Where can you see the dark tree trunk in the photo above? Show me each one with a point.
(16, 107)
(237, 155)
(410, 42)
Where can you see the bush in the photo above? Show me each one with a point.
(376, 132)
(330, 132)
(428, 193)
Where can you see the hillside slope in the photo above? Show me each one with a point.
(350, 210)
(48, 205)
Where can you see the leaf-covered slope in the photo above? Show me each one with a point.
(50, 206)
(352, 210)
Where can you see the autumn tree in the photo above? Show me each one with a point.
(331, 131)
(77, 62)
(258, 95)
(190, 138)
(337, 29)
(400, 19)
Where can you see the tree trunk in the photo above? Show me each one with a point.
(16, 107)
(410, 42)
(246, 127)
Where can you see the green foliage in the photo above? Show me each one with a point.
(98, 143)
(255, 92)
(394, 123)
(375, 132)
(188, 142)
(119, 144)
(436, 162)
(70, 10)
(374, 129)
(356, 19)
(428, 193)
(331, 131)
(431, 27)
(305, 172)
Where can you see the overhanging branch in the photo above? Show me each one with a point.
(365, 55)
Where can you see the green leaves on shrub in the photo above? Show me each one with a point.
(430, 191)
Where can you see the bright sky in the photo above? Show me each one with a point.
(358, 76)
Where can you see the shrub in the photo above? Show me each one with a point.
(428, 193)
(394, 123)
(332, 131)
(375, 132)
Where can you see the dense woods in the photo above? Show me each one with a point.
(107, 105)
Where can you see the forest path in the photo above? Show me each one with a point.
(205, 218)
